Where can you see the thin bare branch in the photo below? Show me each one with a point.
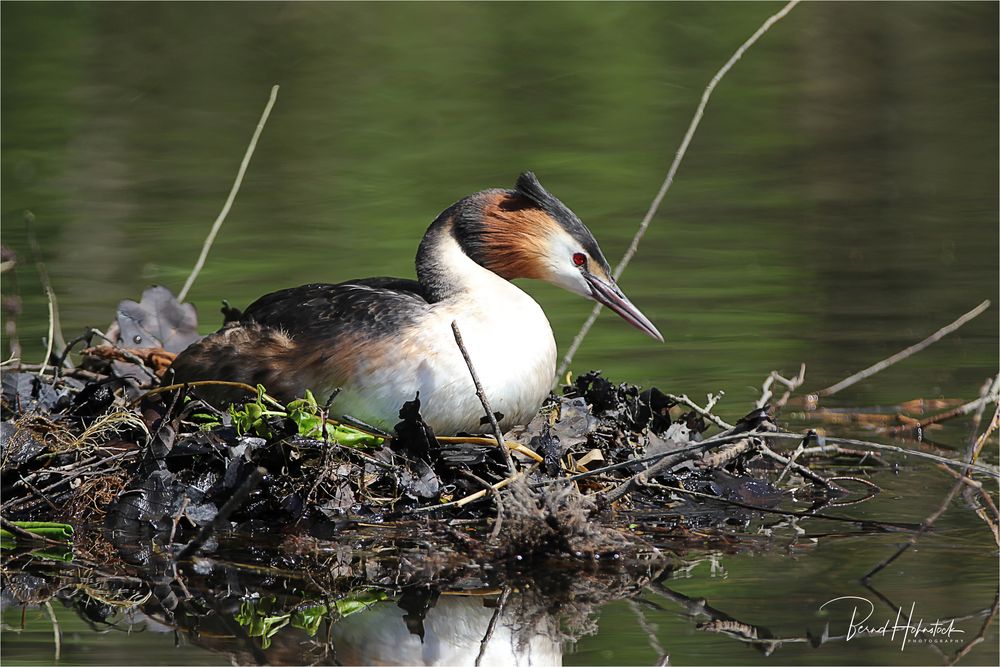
(790, 385)
(55, 336)
(483, 399)
(903, 354)
(654, 207)
(706, 411)
(210, 239)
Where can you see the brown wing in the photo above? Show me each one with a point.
(300, 338)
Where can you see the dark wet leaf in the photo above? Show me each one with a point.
(229, 313)
(202, 514)
(416, 602)
(575, 423)
(200, 443)
(293, 505)
(160, 445)
(655, 409)
(146, 505)
(17, 446)
(656, 445)
(343, 499)
(413, 435)
(754, 420)
(598, 391)
(158, 320)
(421, 482)
(26, 392)
(745, 490)
(484, 420)
(464, 454)
(548, 445)
(96, 398)
(694, 422)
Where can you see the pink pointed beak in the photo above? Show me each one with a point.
(611, 296)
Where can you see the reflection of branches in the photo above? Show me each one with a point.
(718, 621)
(663, 657)
(497, 613)
(763, 639)
(936, 514)
(810, 513)
(981, 635)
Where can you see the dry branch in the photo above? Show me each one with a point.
(669, 179)
(790, 385)
(903, 354)
(483, 399)
(210, 239)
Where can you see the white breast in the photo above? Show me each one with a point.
(508, 338)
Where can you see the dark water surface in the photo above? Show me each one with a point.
(839, 202)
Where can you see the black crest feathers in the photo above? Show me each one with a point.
(528, 185)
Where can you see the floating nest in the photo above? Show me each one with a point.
(258, 529)
(600, 469)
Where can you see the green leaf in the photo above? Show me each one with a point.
(359, 601)
(308, 619)
(54, 531)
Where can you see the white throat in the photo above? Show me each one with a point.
(506, 334)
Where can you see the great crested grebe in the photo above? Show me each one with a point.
(383, 340)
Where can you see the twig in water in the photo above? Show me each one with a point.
(663, 658)
(55, 336)
(710, 442)
(992, 521)
(790, 385)
(496, 498)
(934, 516)
(210, 239)
(800, 469)
(976, 443)
(668, 181)
(994, 424)
(725, 455)
(959, 411)
(56, 631)
(482, 398)
(703, 411)
(39, 494)
(791, 459)
(903, 354)
(234, 503)
(891, 448)
(981, 635)
(807, 514)
(492, 625)
(643, 476)
(177, 517)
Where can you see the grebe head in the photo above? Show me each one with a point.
(528, 233)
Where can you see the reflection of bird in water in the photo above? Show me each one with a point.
(382, 340)
(450, 632)
(453, 630)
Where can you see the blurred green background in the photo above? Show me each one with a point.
(839, 202)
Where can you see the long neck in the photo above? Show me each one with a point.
(445, 271)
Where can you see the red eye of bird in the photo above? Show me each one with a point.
(579, 258)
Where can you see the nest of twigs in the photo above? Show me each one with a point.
(599, 470)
